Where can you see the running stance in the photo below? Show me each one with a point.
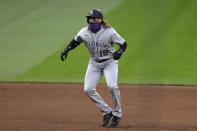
(99, 38)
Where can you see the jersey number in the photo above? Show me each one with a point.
(104, 53)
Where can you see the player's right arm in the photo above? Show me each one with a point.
(73, 44)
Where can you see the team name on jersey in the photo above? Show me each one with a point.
(99, 44)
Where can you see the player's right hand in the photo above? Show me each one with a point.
(64, 55)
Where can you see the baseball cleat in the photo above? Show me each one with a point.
(115, 121)
(106, 119)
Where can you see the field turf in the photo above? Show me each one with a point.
(161, 37)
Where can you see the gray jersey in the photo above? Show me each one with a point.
(100, 44)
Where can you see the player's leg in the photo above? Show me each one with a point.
(111, 76)
(93, 75)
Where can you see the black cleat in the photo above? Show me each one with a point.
(115, 121)
(106, 119)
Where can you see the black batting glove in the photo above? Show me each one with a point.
(117, 55)
(64, 55)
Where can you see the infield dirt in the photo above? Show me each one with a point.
(65, 107)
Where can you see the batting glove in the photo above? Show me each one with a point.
(64, 55)
(117, 55)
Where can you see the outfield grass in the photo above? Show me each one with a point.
(161, 37)
(32, 30)
(162, 41)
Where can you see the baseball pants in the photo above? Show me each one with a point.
(94, 72)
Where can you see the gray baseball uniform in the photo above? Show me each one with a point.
(100, 47)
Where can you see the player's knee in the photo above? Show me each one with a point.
(112, 86)
(87, 90)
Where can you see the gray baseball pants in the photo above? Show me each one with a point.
(94, 72)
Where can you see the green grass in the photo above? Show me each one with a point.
(32, 30)
(164, 49)
(161, 37)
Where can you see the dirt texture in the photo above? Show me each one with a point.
(65, 107)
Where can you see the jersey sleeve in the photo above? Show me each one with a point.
(78, 37)
(116, 38)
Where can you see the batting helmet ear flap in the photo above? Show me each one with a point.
(88, 19)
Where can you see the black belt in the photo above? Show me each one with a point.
(99, 61)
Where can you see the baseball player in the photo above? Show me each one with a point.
(99, 38)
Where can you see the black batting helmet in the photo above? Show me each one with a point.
(94, 13)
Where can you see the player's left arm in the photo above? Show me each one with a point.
(116, 38)
(117, 54)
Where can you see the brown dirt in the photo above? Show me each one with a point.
(65, 107)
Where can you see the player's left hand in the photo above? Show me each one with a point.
(64, 55)
(117, 55)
